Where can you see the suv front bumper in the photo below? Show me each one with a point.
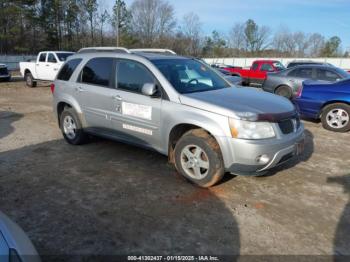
(243, 157)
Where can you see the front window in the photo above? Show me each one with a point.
(63, 56)
(279, 66)
(190, 76)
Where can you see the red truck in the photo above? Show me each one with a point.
(257, 73)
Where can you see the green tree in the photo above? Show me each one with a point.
(332, 47)
(120, 20)
(90, 6)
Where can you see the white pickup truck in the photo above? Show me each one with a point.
(45, 67)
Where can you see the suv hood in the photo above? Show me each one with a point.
(2, 65)
(241, 103)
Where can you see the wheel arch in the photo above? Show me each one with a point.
(67, 103)
(178, 131)
(331, 103)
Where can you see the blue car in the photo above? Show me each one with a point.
(329, 102)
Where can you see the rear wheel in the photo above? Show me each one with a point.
(198, 158)
(71, 127)
(30, 80)
(336, 117)
(284, 91)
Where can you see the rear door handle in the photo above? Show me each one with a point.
(117, 97)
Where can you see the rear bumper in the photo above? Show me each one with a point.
(245, 154)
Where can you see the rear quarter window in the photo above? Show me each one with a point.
(68, 69)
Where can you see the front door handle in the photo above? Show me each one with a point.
(117, 97)
(80, 89)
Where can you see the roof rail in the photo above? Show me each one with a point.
(153, 50)
(104, 49)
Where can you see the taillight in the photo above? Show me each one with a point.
(52, 87)
(300, 91)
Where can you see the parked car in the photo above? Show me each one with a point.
(45, 67)
(329, 102)
(286, 83)
(14, 243)
(179, 107)
(306, 62)
(4, 73)
(257, 73)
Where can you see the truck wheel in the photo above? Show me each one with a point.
(336, 117)
(30, 80)
(284, 91)
(198, 158)
(71, 127)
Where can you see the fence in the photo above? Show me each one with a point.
(247, 62)
(12, 61)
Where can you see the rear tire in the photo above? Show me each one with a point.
(336, 117)
(71, 127)
(198, 158)
(30, 80)
(284, 91)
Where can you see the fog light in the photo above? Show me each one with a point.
(263, 159)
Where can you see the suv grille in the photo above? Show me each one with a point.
(289, 125)
(3, 71)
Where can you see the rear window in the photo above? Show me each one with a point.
(98, 71)
(63, 56)
(68, 69)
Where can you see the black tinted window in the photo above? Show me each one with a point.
(68, 69)
(327, 75)
(302, 72)
(131, 76)
(51, 58)
(42, 57)
(98, 71)
(266, 67)
(255, 66)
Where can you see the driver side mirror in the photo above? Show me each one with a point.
(149, 89)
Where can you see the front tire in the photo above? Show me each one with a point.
(336, 117)
(198, 158)
(30, 80)
(284, 91)
(71, 127)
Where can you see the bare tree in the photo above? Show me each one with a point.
(316, 44)
(192, 29)
(237, 39)
(152, 20)
(301, 43)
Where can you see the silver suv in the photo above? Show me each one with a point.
(179, 107)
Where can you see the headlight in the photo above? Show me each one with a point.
(251, 130)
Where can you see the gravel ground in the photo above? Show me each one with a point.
(108, 198)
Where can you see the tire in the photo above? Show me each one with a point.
(284, 91)
(209, 164)
(71, 127)
(30, 80)
(336, 117)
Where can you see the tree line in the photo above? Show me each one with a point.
(30, 26)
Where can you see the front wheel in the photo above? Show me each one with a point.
(336, 117)
(198, 158)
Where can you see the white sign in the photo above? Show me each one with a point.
(138, 129)
(136, 110)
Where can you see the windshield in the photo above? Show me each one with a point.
(342, 73)
(63, 56)
(189, 76)
(278, 66)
